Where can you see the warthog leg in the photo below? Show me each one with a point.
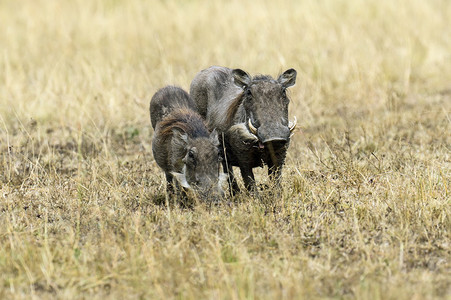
(275, 172)
(274, 166)
(271, 153)
(169, 183)
(231, 180)
(248, 178)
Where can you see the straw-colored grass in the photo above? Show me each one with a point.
(365, 207)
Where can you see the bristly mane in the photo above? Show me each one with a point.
(231, 110)
(185, 120)
(262, 78)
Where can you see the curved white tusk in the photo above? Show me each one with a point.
(292, 125)
(251, 127)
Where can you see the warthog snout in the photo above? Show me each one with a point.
(276, 133)
(211, 190)
(280, 134)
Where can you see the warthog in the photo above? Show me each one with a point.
(251, 114)
(182, 145)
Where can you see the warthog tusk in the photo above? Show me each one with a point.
(292, 125)
(251, 127)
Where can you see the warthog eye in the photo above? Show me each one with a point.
(248, 92)
(191, 158)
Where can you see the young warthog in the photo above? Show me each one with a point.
(182, 145)
(251, 114)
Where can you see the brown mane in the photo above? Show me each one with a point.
(232, 109)
(185, 120)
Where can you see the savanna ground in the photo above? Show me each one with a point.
(365, 207)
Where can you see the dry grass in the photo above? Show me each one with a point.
(365, 207)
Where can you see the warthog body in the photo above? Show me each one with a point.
(182, 145)
(251, 115)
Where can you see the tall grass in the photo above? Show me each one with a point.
(365, 207)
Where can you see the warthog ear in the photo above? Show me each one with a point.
(288, 78)
(214, 137)
(180, 138)
(241, 78)
(179, 144)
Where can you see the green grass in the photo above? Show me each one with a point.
(365, 207)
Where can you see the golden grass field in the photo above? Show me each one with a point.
(365, 207)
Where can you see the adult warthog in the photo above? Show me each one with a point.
(182, 145)
(251, 115)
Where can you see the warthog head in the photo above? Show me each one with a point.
(201, 164)
(265, 104)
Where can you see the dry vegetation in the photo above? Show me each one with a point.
(365, 207)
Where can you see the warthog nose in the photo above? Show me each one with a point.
(278, 135)
(276, 143)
